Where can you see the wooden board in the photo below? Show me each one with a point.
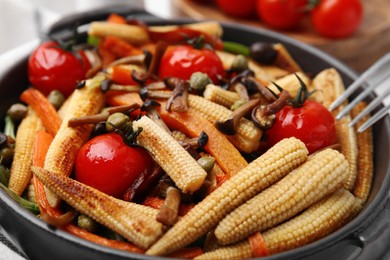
(359, 51)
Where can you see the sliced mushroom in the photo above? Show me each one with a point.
(178, 101)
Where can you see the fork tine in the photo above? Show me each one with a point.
(381, 113)
(362, 95)
(373, 104)
(373, 69)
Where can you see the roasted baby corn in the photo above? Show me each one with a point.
(258, 175)
(247, 138)
(187, 174)
(319, 220)
(20, 173)
(322, 174)
(62, 152)
(365, 167)
(331, 86)
(220, 96)
(135, 222)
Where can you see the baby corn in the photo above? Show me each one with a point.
(62, 152)
(258, 175)
(365, 168)
(135, 222)
(331, 86)
(220, 96)
(320, 175)
(321, 219)
(290, 83)
(247, 138)
(20, 173)
(187, 174)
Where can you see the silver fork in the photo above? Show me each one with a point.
(370, 73)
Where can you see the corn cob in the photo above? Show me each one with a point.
(20, 173)
(187, 174)
(258, 175)
(62, 152)
(179, 136)
(320, 175)
(290, 83)
(319, 220)
(284, 59)
(265, 74)
(331, 86)
(135, 222)
(220, 96)
(31, 191)
(247, 138)
(365, 168)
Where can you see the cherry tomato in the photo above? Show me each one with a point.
(281, 14)
(181, 61)
(312, 123)
(337, 18)
(50, 68)
(242, 8)
(109, 165)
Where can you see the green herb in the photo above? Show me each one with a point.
(31, 206)
(236, 48)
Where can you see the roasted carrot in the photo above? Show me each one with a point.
(119, 47)
(157, 202)
(122, 76)
(258, 245)
(44, 109)
(116, 18)
(101, 240)
(187, 253)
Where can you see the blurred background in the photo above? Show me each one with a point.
(21, 20)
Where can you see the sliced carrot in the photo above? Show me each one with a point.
(119, 47)
(116, 18)
(101, 240)
(258, 245)
(187, 253)
(115, 98)
(44, 109)
(122, 76)
(192, 124)
(105, 55)
(42, 143)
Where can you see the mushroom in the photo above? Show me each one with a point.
(178, 101)
(150, 107)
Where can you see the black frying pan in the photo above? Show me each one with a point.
(367, 236)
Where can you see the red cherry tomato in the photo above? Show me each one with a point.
(242, 8)
(50, 68)
(312, 123)
(281, 14)
(181, 61)
(109, 165)
(337, 18)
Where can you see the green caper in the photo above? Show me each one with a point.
(199, 81)
(263, 52)
(207, 163)
(117, 121)
(240, 63)
(56, 98)
(237, 104)
(86, 223)
(6, 155)
(17, 112)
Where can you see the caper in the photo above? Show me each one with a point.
(86, 223)
(199, 81)
(56, 98)
(117, 121)
(263, 52)
(207, 163)
(240, 63)
(17, 112)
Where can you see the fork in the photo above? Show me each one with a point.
(371, 72)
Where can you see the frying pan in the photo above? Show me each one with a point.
(367, 236)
